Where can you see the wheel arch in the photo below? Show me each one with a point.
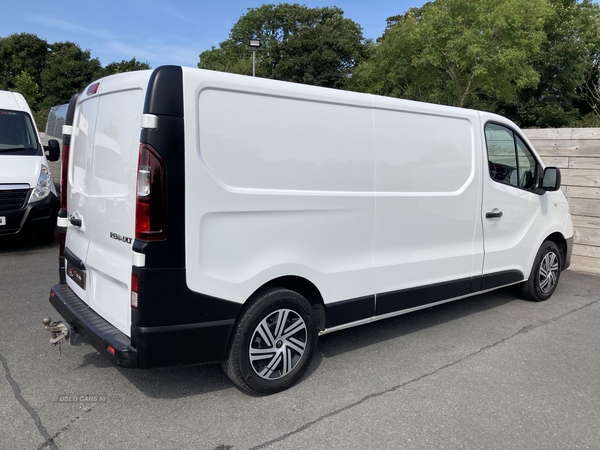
(303, 287)
(561, 243)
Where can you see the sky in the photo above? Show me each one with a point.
(161, 31)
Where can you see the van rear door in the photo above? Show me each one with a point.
(105, 148)
(80, 162)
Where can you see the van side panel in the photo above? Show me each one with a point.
(428, 183)
(282, 177)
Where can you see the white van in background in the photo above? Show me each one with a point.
(28, 201)
(211, 217)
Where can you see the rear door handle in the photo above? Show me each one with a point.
(495, 213)
(75, 222)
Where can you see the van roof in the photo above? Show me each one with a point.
(14, 101)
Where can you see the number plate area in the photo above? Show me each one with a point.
(76, 274)
(2, 221)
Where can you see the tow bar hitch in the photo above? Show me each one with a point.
(59, 332)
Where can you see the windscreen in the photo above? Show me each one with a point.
(17, 134)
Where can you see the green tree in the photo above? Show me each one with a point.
(22, 53)
(26, 85)
(457, 52)
(306, 45)
(69, 69)
(123, 66)
(568, 68)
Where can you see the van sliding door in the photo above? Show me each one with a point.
(427, 241)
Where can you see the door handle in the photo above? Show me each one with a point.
(75, 222)
(495, 213)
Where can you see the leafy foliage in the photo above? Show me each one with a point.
(534, 61)
(68, 70)
(457, 52)
(123, 66)
(306, 45)
(49, 74)
(26, 85)
(21, 53)
(568, 69)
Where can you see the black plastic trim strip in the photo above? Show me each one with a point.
(182, 345)
(164, 98)
(62, 267)
(349, 311)
(70, 116)
(165, 92)
(390, 302)
(186, 326)
(166, 300)
(498, 279)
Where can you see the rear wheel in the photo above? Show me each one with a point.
(544, 275)
(273, 343)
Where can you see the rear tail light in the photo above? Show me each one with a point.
(150, 213)
(134, 290)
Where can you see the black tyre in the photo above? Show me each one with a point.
(544, 275)
(272, 343)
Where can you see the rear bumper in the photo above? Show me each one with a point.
(156, 346)
(95, 330)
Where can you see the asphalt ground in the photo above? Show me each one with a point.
(488, 372)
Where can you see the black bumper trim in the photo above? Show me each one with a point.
(155, 346)
(92, 327)
(185, 327)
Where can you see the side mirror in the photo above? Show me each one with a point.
(550, 180)
(52, 150)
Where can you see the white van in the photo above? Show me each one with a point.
(216, 217)
(28, 201)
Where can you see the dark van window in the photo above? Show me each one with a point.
(510, 161)
(17, 134)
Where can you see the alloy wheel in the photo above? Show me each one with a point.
(278, 344)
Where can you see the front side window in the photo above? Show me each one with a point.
(17, 134)
(510, 161)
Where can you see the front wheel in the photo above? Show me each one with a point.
(544, 275)
(273, 343)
